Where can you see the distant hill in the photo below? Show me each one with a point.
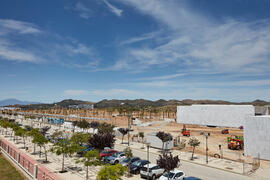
(62, 104)
(159, 103)
(138, 103)
(7, 102)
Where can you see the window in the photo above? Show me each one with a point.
(179, 174)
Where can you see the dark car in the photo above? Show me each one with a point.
(129, 160)
(136, 166)
(84, 149)
(191, 178)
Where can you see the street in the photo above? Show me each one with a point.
(190, 169)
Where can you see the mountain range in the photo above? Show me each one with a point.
(7, 102)
(114, 103)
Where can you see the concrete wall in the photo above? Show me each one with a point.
(155, 142)
(257, 136)
(215, 115)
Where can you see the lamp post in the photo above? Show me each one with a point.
(128, 126)
(206, 136)
(148, 146)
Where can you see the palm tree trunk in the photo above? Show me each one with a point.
(39, 151)
(45, 151)
(86, 172)
(34, 148)
(63, 161)
(193, 153)
(24, 142)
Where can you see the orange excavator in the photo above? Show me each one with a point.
(235, 143)
(185, 132)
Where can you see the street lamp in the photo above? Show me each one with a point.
(206, 136)
(148, 146)
(128, 126)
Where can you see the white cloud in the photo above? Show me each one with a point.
(118, 12)
(84, 11)
(72, 92)
(143, 37)
(8, 25)
(170, 76)
(195, 41)
(18, 55)
(56, 49)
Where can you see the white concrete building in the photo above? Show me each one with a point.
(257, 137)
(155, 142)
(215, 115)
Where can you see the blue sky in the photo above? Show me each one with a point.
(127, 49)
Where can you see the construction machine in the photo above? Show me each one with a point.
(185, 132)
(235, 143)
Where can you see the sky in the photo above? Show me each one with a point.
(130, 49)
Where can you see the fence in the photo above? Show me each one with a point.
(29, 166)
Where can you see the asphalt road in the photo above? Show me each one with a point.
(191, 169)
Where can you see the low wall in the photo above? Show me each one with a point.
(257, 137)
(27, 165)
(215, 115)
(155, 142)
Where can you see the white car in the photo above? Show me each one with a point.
(174, 175)
(154, 171)
(116, 158)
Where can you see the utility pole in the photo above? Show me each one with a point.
(148, 146)
(206, 136)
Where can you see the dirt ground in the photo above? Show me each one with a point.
(174, 128)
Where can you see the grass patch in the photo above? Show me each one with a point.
(7, 171)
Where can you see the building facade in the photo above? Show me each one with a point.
(215, 115)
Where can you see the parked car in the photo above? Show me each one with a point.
(225, 131)
(191, 178)
(154, 171)
(136, 166)
(84, 149)
(47, 136)
(116, 158)
(107, 153)
(131, 160)
(173, 175)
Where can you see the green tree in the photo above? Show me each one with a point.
(65, 147)
(83, 124)
(99, 141)
(14, 128)
(128, 154)
(168, 162)
(5, 124)
(164, 137)
(80, 138)
(41, 141)
(33, 133)
(111, 172)
(123, 131)
(104, 128)
(22, 133)
(194, 142)
(141, 135)
(56, 136)
(91, 158)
